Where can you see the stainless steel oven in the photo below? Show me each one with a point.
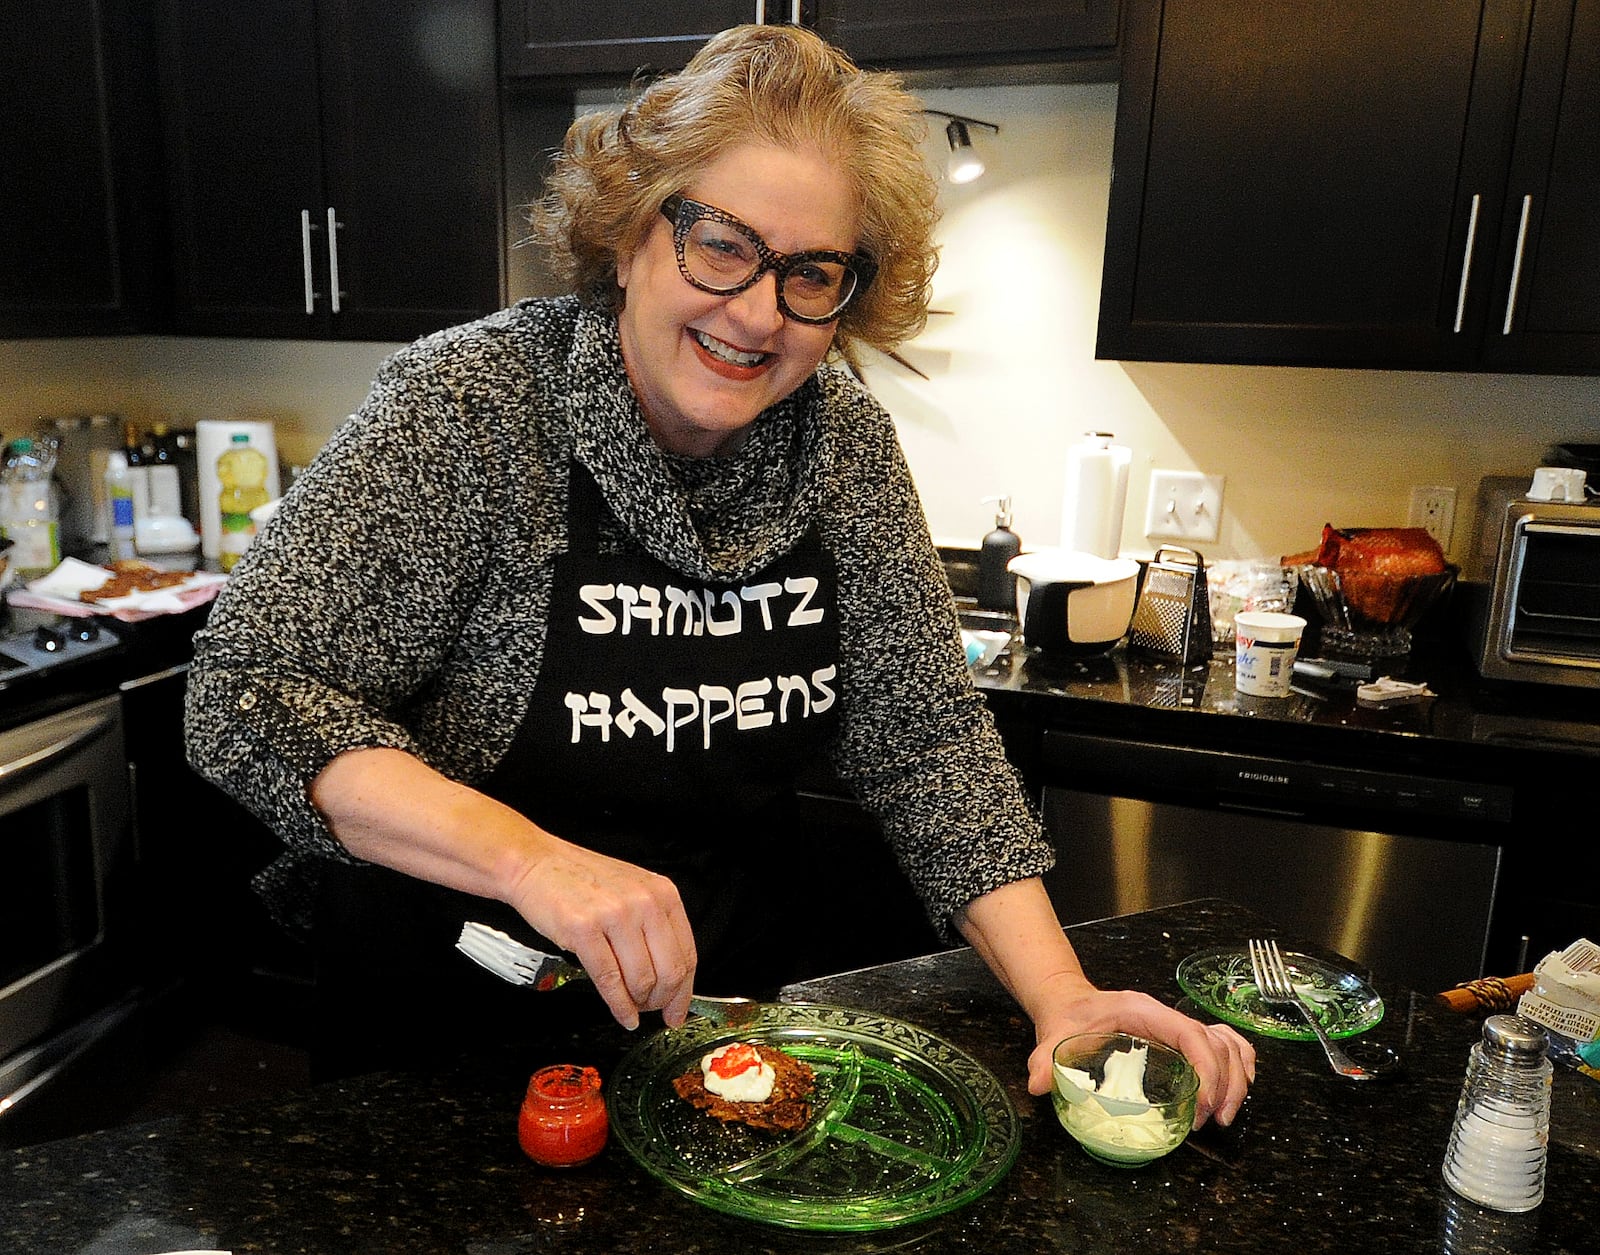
(66, 849)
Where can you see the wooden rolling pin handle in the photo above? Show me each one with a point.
(1492, 993)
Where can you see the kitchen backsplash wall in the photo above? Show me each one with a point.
(1012, 375)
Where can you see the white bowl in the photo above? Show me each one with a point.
(1072, 602)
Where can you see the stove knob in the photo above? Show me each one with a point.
(84, 630)
(50, 640)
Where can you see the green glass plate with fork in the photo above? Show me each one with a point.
(1222, 983)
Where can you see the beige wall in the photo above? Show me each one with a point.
(1013, 376)
(305, 387)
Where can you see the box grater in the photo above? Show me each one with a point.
(1173, 616)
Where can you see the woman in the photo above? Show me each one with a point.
(596, 574)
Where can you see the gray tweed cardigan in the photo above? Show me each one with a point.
(399, 597)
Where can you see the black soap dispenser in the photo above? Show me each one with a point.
(997, 587)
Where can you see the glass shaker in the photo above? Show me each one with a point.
(1500, 1139)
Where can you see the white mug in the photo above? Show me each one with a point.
(1557, 483)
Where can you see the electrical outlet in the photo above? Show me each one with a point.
(1184, 505)
(1434, 508)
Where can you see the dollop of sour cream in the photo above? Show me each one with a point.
(735, 1072)
(1117, 1132)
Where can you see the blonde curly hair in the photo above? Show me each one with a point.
(778, 85)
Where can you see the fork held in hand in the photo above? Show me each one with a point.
(512, 961)
(1272, 979)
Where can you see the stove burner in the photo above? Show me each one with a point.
(50, 645)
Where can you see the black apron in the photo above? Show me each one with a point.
(666, 728)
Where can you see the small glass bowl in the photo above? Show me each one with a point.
(1368, 614)
(563, 1121)
(1124, 1134)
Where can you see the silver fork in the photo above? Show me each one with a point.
(512, 961)
(1272, 979)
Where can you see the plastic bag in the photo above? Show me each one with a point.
(1247, 584)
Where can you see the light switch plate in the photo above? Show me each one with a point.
(1184, 505)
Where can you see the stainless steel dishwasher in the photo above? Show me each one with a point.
(1395, 871)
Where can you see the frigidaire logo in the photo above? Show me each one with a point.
(1263, 777)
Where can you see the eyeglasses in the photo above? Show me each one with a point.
(718, 253)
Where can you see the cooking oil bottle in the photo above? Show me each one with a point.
(242, 472)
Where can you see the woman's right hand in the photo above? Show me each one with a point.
(626, 925)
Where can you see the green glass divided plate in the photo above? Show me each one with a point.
(904, 1126)
(1221, 983)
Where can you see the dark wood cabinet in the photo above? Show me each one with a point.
(80, 202)
(1329, 185)
(953, 33)
(333, 167)
(1310, 185)
(609, 39)
(1547, 314)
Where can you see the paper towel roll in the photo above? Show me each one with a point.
(1095, 496)
(213, 438)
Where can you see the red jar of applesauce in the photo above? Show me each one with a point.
(563, 1120)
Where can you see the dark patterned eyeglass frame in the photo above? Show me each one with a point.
(683, 213)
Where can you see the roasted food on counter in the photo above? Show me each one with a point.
(1375, 566)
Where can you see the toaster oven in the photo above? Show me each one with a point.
(1541, 621)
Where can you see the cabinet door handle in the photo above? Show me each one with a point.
(1516, 265)
(305, 260)
(1466, 262)
(333, 260)
(794, 12)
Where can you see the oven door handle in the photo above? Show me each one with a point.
(44, 755)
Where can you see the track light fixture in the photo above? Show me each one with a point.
(965, 164)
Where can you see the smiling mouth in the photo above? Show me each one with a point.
(724, 352)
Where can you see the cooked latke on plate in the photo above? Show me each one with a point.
(129, 576)
(786, 1110)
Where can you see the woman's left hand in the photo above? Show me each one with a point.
(1224, 1060)
(1016, 931)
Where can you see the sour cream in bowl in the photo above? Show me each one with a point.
(1125, 1100)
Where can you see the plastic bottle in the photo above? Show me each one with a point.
(138, 459)
(242, 472)
(997, 587)
(119, 493)
(1500, 1140)
(30, 508)
(179, 448)
(166, 496)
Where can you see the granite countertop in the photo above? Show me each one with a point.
(392, 1163)
(1541, 738)
(1466, 713)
